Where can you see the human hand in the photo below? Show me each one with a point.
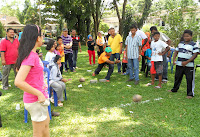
(117, 61)
(139, 59)
(160, 53)
(80, 50)
(184, 63)
(120, 52)
(41, 98)
(3, 62)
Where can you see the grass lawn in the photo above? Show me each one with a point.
(106, 109)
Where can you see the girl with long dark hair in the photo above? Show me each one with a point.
(30, 79)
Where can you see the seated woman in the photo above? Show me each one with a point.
(56, 81)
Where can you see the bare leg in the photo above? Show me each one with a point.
(153, 79)
(160, 80)
(41, 129)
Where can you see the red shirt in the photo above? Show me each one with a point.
(10, 50)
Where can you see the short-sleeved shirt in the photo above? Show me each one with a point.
(103, 58)
(75, 42)
(185, 52)
(115, 43)
(90, 46)
(148, 54)
(157, 47)
(10, 49)
(133, 44)
(35, 77)
(49, 56)
(67, 40)
(139, 33)
(62, 53)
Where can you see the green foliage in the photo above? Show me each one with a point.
(103, 27)
(179, 19)
(2, 31)
(31, 16)
(10, 9)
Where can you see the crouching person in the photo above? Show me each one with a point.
(104, 59)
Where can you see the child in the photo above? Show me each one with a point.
(57, 49)
(187, 51)
(100, 43)
(148, 56)
(50, 54)
(62, 54)
(124, 63)
(133, 47)
(91, 51)
(56, 81)
(39, 52)
(157, 47)
(30, 79)
(104, 59)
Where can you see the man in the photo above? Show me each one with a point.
(133, 47)
(75, 44)
(145, 38)
(104, 60)
(115, 42)
(9, 53)
(67, 41)
(166, 39)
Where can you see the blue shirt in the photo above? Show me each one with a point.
(185, 52)
(133, 44)
(148, 54)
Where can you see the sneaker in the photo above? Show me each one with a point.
(164, 80)
(5, 88)
(130, 80)
(136, 82)
(55, 113)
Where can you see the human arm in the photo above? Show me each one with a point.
(23, 85)
(174, 57)
(184, 63)
(121, 44)
(166, 50)
(3, 61)
(139, 59)
(79, 43)
(113, 62)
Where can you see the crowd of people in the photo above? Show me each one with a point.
(152, 48)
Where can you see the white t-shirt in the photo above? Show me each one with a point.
(157, 47)
(139, 33)
(49, 56)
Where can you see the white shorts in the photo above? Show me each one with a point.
(38, 111)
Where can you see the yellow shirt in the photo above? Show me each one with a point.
(62, 53)
(115, 43)
(103, 58)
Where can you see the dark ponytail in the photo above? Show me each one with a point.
(27, 42)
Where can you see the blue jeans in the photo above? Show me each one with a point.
(75, 52)
(135, 63)
(117, 56)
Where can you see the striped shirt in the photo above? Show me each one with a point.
(67, 40)
(185, 52)
(133, 46)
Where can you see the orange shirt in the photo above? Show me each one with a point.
(62, 53)
(145, 47)
(103, 58)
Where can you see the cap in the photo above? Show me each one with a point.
(108, 50)
(65, 29)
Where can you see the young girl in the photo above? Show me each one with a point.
(91, 51)
(62, 54)
(30, 79)
(57, 49)
(51, 48)
(100, 43)
(56, 80)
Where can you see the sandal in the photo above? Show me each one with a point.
(157, 87)
(60, 104)
(148, 84)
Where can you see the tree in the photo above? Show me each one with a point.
(31, 16)
(103, 27)
(2, 31)
(120, 17)
(21, 15)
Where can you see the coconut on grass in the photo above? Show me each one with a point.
(137, 98)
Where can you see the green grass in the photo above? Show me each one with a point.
(96, 110)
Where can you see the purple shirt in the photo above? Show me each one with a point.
(67, 40)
